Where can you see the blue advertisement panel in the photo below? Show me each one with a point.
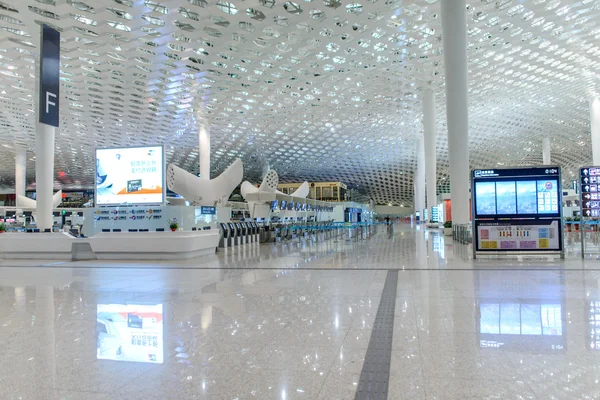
(506, 197)
(49, 76)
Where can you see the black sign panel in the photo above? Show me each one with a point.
(590, 191)
(49, 76)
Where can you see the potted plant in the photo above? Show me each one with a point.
(2, 227)
(576, 221)
(173, 224)
(448, 228)
(569, 223)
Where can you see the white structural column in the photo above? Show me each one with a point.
(420, 178)
(204, 150)
(595, 128)
(20, 171)
(546, 151)
(430, 154)
(454, 31)
(44, 174)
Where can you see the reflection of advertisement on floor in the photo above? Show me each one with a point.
(130, 332)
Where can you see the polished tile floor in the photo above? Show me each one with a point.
(293, 321)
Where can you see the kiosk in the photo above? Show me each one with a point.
(226, 236)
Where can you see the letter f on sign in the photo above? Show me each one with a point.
(48, 102)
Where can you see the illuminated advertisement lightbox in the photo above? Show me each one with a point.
(130, 332)
(132, 175)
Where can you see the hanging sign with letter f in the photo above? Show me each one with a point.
(49, 76)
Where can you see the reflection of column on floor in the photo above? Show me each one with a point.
(20, 301)
(577, 312)
(421, 250)
(44, 332)
(429, 288)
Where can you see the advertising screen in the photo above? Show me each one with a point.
(486, 198)
(130, 176)
(506, 197)
(526, 197)
(130, 332)
(517, 193)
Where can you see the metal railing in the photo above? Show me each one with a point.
(462, 233)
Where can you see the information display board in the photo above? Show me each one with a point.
(130, 332)
(517, 209)
(518, 235)
(132, 175)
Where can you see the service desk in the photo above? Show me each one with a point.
(109, 246)
(154, 245)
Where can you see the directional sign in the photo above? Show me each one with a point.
(590, 191)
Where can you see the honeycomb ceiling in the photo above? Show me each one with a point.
(322, 90)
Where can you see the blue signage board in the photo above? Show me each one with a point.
(49, 76)
(205, 210)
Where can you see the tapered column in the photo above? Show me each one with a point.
(420, 178)
(204, 150)
(546, 151)
(430, 153)
(454, 28)
(20, 171)
(44, 174)
(595, 128)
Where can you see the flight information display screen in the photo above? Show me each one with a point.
(517, 193)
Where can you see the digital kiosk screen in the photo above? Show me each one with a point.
(283, 204)
(274, 205)
(517, 193)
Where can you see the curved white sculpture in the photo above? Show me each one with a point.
(301, 192)
(205, 192)
(269, 184)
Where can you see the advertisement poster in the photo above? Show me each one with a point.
(526, 197)
(130, 176)
(486, 198)
(130, 332)
(506, 197)
(516, 236)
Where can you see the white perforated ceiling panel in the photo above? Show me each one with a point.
(319, 90)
